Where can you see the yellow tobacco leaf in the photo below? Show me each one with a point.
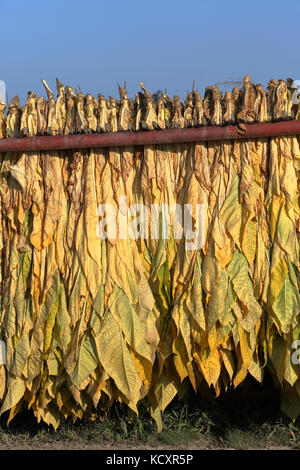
(13, 411)
(279, 272)
(164, 391)
(274, 210)
(245, 347)
(156, 415)
(291, 371)
(215, 281)
(256, 370)
(209, 364)
(116, 359)
(61, 330)
(185, 329)
(238, 272)
(286, 236)
(15, 391)
(54, 364)
(37, 338)
(22, 352)
(194, 299)
(228, 360)
(2, 381)
(50, 322)
(249, 240)
(213, 338)
(180, 357)
(52, 416)
(251, 310)
(143, 367)
(242, 371)
(224, 254)
(261, 273)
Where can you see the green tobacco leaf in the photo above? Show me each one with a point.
(131, 325)
(157, 258)
(62, 330)
(238, 272)
(226, 316)
(194, 299)
(277, 352)
(286, 235)
(287, 305)
(165, 391)
(22, 351)
(231, 212)
(87, 361)
(20, 302)
(98, 303)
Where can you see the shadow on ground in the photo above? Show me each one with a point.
(246, 418)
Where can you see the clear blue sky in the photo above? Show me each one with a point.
(166, 43)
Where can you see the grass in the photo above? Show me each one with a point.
(204, 424)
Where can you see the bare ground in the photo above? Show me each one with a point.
(253, 421)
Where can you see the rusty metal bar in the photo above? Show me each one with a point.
(167, 136)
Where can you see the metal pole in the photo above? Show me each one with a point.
(166, 136)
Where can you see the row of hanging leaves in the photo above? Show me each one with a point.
(88, 322)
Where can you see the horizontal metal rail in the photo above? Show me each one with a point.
(165, 136)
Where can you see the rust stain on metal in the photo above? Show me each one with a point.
(120, 139)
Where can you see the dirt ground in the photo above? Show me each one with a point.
(71, 446)
(221, 424)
